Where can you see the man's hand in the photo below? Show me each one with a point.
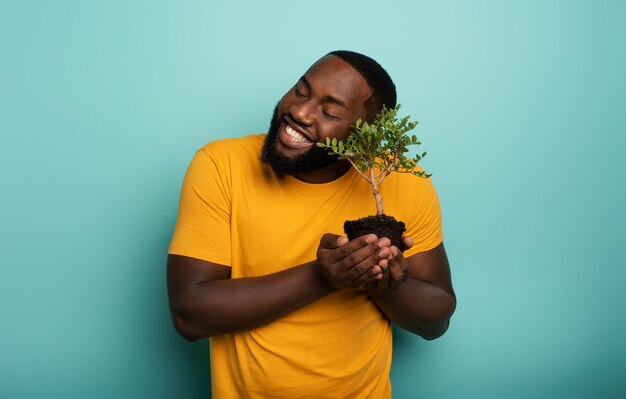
(396, 274)
(416, 292)
(355, 263)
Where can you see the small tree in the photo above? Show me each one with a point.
(376, 150)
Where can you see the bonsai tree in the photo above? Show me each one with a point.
(376, 150)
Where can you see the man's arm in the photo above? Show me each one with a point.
(205, 301)
(425, 301)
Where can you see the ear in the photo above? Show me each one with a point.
(372, 108)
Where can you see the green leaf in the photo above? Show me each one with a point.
(381, 143)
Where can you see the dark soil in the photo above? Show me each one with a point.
(381, 225)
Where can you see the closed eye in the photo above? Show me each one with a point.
(302, 88)
(330, 115)
(299, 93)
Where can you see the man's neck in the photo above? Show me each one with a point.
(326, 174)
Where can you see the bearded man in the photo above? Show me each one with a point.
(257, 262)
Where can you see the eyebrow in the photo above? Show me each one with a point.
(327, 98)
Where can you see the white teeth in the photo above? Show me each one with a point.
(295, 135)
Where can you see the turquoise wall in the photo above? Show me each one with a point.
(521, 108)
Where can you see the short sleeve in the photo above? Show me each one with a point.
(425, 226)
(203, 225)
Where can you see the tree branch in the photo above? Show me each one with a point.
(385, 172)
(357, 169)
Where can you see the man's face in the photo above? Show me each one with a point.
(325, 102)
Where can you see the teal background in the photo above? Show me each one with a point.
(521, 108)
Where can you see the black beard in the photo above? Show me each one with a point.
(315, 158)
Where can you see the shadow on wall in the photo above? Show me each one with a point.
(189, 360)
(404, 342)
(172, 366)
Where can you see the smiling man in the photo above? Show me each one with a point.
(258, 262)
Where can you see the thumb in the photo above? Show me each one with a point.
(407, 243)
(332, 241)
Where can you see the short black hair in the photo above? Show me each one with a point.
(383, 88)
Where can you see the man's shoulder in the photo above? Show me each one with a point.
(226, 146)
(240, 153)
(408, 180)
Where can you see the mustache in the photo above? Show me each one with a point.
(315, 158)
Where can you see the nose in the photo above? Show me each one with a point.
(302, 113)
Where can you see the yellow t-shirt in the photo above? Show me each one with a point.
(235, 211)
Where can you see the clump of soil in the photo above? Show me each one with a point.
(381, 225)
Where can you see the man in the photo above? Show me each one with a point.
(258, 264)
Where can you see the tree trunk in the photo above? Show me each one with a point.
(379, 201)
(377, 196)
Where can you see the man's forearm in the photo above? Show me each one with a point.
(227, 305)
(418, 306)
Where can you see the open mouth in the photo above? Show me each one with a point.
(292, 137)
